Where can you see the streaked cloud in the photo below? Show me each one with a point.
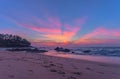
(51, 28)
(100, 36)
(52, 31)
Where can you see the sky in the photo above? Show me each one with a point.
(62, 22)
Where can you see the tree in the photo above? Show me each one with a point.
(8, 40)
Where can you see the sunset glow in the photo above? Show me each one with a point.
(48, 23)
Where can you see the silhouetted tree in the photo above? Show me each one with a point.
(8, 40)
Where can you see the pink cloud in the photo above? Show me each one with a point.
(80, 21)
(100, 35)
(55, 22)
(51, 28)
(48, 22)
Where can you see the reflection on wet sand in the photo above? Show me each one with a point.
(103, 59)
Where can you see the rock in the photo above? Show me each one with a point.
(60, 49)
(77, 73)
(87, 51)
(73, 52)
(71, 77)
(61, 72)
(33, 50)
(53, 70)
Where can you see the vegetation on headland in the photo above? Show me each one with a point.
(8, 40)
(17, 43)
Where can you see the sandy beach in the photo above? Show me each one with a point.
(24, 65)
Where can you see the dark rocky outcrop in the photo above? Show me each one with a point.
(87, 51)
(33, 50)
(62, 49)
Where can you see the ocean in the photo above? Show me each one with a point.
(94, 51)
(97, 51)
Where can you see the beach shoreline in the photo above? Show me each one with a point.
(24, 65)
(90, 58)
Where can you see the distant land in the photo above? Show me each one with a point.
(9, 40)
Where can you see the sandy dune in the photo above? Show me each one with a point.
(22, 65)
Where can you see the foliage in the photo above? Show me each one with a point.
(8, 40)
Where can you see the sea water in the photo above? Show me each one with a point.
(97, 51)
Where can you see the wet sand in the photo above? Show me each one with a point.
(22, 65)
